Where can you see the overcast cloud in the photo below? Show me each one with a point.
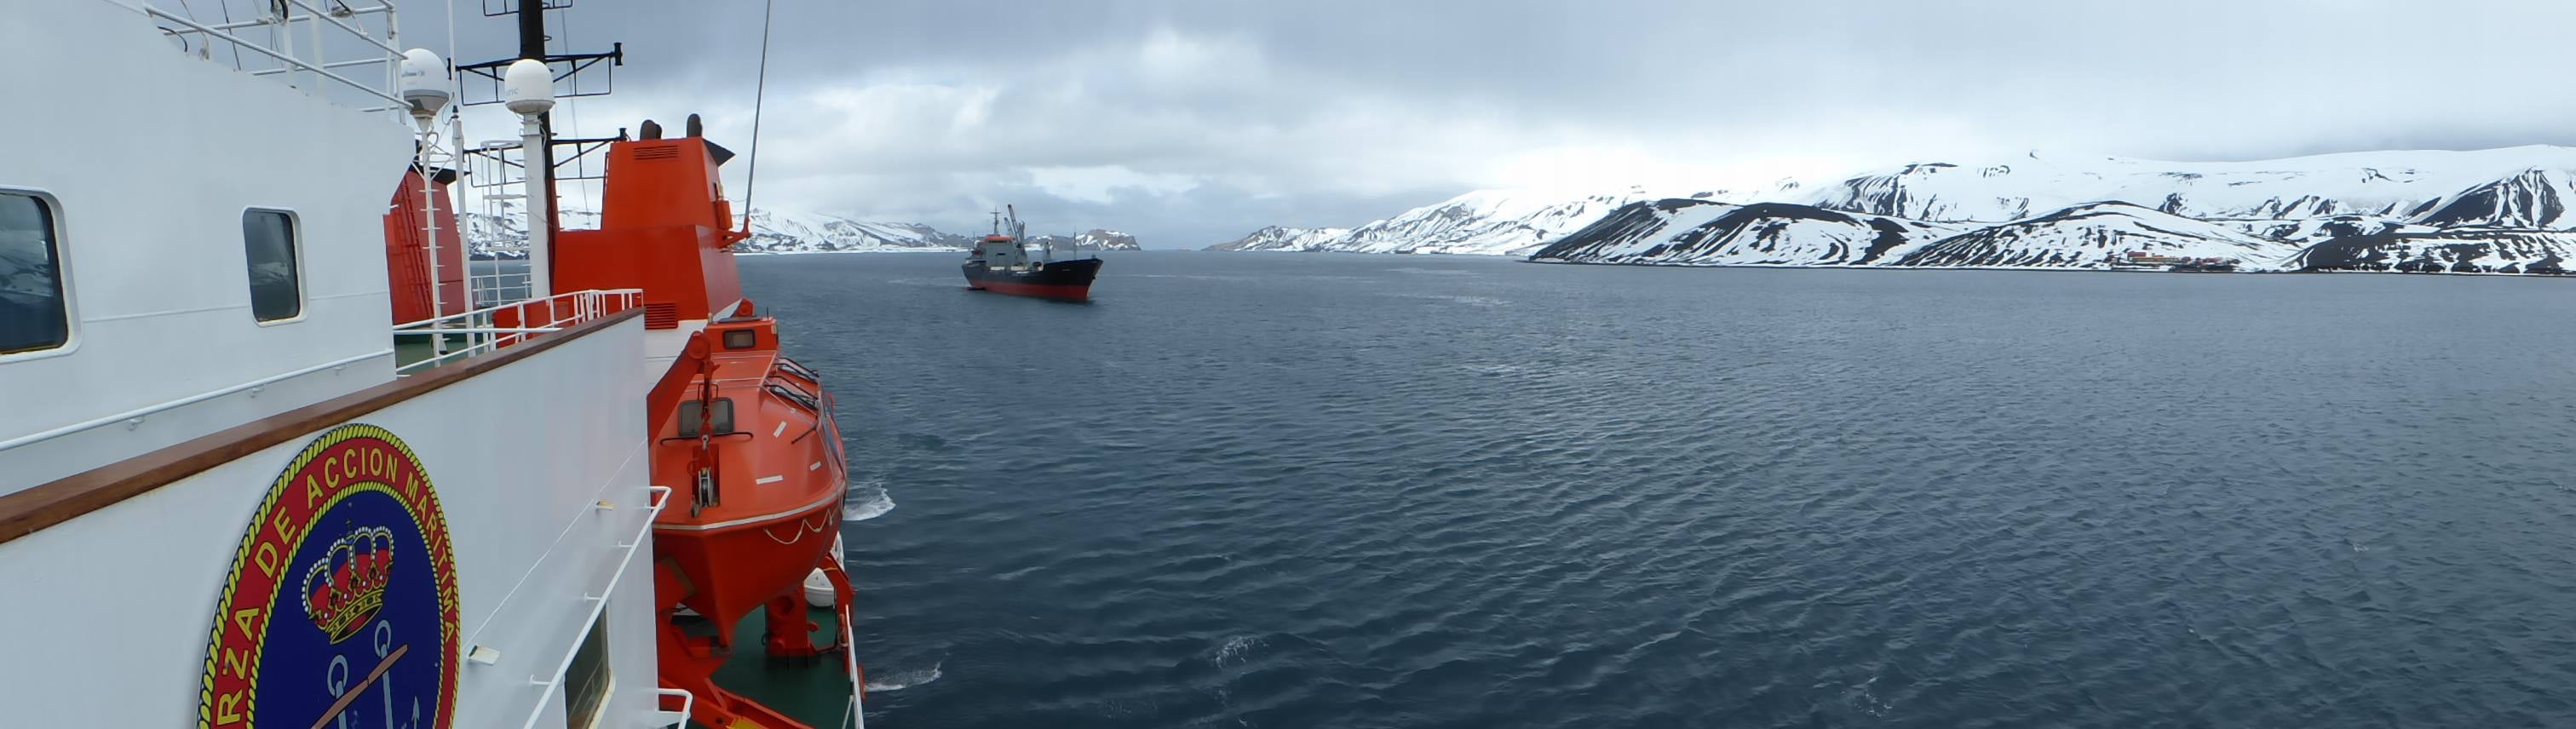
(1194, 122)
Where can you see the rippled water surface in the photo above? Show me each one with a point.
(1271, 490)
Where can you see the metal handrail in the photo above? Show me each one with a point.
(238, 24)
(488, 310)
(334, 64)
(360, 33)
(688, 703)
(286, 58)
(858, 675)
(138, 414)
(484, 334)
(599, 603)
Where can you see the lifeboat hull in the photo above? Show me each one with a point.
(728, 571)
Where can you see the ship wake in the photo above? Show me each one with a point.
(868, 501)
(903, 680)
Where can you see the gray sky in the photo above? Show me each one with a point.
(1190, 122)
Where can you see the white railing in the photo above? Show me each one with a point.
(850, 659)
(666, 718)
(499, 285)
(346, 30)
(135, 417)
(599, 603)
(458, 336)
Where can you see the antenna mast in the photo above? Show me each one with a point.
(532, 44)
(539, 159)
(759, 94)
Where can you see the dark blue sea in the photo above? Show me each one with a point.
(1285, 490)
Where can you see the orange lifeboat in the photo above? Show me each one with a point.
(743, 435)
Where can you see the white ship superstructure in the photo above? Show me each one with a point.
(231, 495)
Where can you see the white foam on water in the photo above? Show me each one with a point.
(1869, 703)
(1482, 301)
(904, 679)
(874, 505)
(1235, 647)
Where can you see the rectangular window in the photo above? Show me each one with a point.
(586, 681)
(276, 281)
(692, 412)
(33, 315)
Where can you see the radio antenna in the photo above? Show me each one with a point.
(759, 94)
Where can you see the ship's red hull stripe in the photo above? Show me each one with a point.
(1055, 291)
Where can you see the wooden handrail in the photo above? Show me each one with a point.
(33, 510)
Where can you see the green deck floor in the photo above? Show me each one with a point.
(408, 350)
(817, 694)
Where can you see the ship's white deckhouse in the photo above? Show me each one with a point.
(220, 505)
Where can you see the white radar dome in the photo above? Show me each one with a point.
(423, 83)
(528, 87)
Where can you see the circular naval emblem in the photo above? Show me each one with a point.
(340, 609)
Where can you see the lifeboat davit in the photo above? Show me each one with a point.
(743, 435)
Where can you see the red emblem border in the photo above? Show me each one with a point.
(344, 461)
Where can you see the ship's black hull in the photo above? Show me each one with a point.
(1061, 280)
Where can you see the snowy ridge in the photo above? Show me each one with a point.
(782, 231)
(1698, 232)
(1283, 238)
(1485, 222)
(2388, 184)
(1096, 239)
(2532, 200)
(1704, 233)
(2487, 211)
(1099, 239)
(2092, 236)
(773, 231)
(2458, 251)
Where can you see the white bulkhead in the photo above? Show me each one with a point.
(150, 159)
(169, 176)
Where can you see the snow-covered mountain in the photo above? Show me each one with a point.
(2499, 210)
(783, 231)
(2533, 200)
(1283, 238)
(1699, 232)
(1096, 239)
(1488, 222)
(2406, 184)
(2091, 236)
(1706, 233)
(2452, 251)
(773, 231)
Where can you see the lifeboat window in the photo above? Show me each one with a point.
(33, 313)
(741, 339)
(798, 396)
(692, 411)
(586, 681)
(276, 275)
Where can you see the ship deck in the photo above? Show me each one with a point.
(818, 693)
(409, 350)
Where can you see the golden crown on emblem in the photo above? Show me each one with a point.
(346, 587)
